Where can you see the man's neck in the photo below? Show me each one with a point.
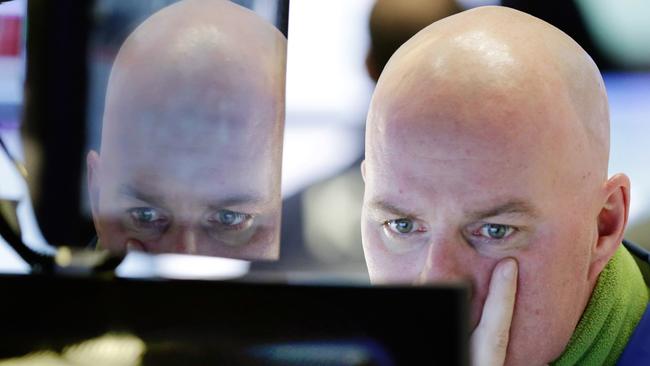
(618, 301)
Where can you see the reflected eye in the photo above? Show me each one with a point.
(147, 216)
(495, 231)
(231, 219)
(401, 226)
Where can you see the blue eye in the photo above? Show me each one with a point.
(401, 226)
(495, 231)
(227, 217)
(147, 218)
(230, 219)
(146, 215)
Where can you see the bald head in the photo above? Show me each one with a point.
(198, 62)
(192, 135)
(487, 138)
(497, 62)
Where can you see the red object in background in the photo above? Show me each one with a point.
(10, 35)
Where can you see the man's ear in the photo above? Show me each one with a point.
(363, 170)
(92, 166)
(612, 220)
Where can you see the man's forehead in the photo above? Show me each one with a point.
(247, 189)
(214, 196)
(475, 209)
(431, 105)
(439, 140)
(200, 163)
(178, 130)
(442, 123)
(220, 128)
(470, 171)
(169, 99)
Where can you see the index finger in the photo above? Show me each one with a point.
(491, 336)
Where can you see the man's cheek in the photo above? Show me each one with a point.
(480, 285)
(112, 234)
(386, 266)
(537, 285)
(532, 278)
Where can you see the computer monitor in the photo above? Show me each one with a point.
(213, 322)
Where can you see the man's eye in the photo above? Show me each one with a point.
(146, 215)
(495, 231)
(147, 218)
(401, 226)
(231, 219)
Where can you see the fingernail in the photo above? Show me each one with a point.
(509, 269)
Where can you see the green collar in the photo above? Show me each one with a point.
(615, 308)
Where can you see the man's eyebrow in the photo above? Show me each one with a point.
(510, 207)
(131, 191)
(236, 200)
(391, 208)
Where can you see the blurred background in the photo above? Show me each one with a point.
(336, 50)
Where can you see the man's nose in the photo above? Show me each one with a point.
(443, 263)
(185, 240)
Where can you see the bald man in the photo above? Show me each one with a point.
(487, 146)
(192, 135)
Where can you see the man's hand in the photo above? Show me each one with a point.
(489, 341)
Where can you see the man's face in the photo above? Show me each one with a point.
(449, 194)
(188, 182)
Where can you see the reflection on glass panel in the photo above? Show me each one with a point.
(191, 134)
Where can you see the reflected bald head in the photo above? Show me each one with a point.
(200, 70)
(192, 135)
(500, 75)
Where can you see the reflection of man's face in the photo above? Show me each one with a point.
(189, 194)
(191, 144)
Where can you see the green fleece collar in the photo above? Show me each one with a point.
(615, 308)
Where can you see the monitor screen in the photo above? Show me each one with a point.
(243, 323)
